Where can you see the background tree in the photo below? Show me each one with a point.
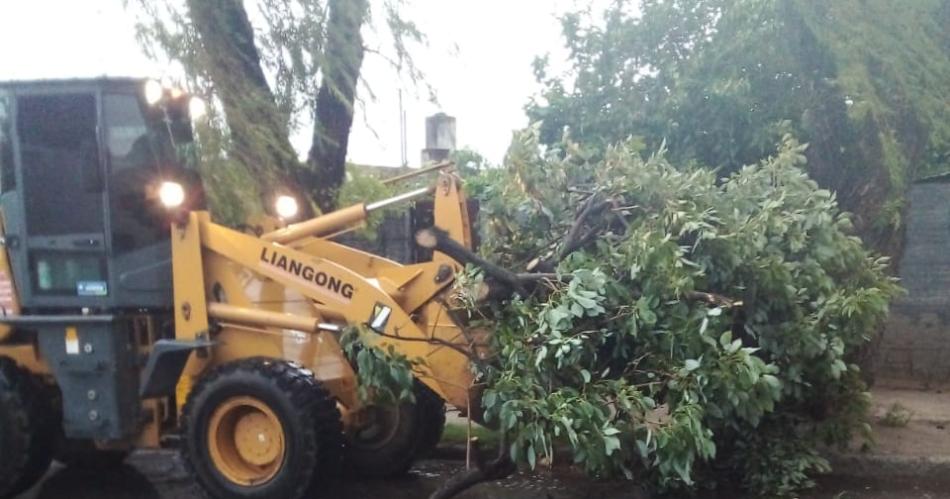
(296, 61)
(864, 82)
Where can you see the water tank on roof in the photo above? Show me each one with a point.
(440, 138)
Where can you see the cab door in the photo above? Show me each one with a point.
(56, 219)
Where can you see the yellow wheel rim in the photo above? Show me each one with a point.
(246, 441)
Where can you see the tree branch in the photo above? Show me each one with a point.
(437, 239)
(573, 241)
(496, 469)
(471, 355)
(712, 299)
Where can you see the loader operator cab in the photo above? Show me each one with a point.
(82, 167)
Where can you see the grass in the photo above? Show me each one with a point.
(897, 416)
(455, 433)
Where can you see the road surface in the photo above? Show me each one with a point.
(160, 475)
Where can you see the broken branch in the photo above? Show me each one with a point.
(496, 469)
(712, 299)
(434, 341)
(437, 239)
(574, 241)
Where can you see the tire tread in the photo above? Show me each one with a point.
(321, 439)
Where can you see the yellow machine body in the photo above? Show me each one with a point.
(255, 297)
(241, 359)
(264, 298)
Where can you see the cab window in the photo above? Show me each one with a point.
(59, 155)
(7, 178)
(139, 151)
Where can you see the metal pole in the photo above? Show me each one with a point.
(408, 196)
(421, 171)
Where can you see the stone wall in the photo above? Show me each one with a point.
(915, 348)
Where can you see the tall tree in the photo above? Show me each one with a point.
(227, 46)
(302, 60)
(862, 81)
(334, 107)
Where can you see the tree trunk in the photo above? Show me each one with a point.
(335, 100)
(259, 135)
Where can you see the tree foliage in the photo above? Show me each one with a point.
(269, 67)
(864, 82)
(702, 333)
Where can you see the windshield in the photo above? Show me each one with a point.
(142, 138)
(144, 145)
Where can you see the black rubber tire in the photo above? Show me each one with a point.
(311, 422)
(394, 455)
(27, 429)
(417, 430)
(431, 409)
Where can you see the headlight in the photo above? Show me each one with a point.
(197, 108)
(171, 194)
(153, 92)
(286, 207)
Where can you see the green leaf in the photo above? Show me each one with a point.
(725, 339)
(542, 354)
(611, 444)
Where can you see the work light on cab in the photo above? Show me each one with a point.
(153, 92)
(171, 194)
(286, 207)
(197, 108)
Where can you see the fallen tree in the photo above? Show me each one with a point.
(664, 324)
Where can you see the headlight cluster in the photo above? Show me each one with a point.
(153, 92)
(171, 194)
(286, 207)
(156, 92)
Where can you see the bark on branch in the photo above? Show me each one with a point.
(343, 59)
(258, 133)
(496, 469)
(437, 239)
(712, 299)
(576, 237)
(574, 241)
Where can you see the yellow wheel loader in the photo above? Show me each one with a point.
(129, 319)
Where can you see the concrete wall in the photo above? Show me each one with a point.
(915, 347)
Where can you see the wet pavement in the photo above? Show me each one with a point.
(160, 475)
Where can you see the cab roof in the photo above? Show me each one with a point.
(66, 83)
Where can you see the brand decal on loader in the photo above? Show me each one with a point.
(307, 273)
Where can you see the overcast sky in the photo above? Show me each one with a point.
(478, 60)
